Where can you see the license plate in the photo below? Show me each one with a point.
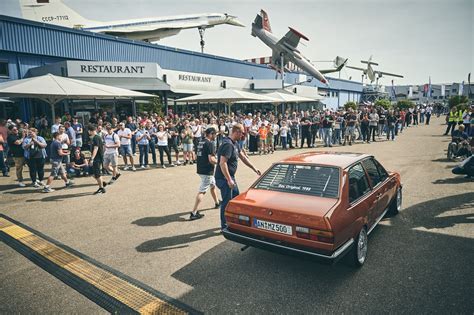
(274, 227)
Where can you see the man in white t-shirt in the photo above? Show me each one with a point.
(111, 144)
(125, 135)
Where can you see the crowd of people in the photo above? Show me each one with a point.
(174, 139)
(94, 149)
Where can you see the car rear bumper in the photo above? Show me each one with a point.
(284, 248)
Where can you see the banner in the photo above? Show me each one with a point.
(410, 92)
(429, 88)
(443, 90)
(461, 88)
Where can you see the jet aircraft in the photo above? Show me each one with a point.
(285, 50)
(146, 29)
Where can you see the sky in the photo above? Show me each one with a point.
(418, 39)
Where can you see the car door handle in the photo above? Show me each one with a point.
(379, 195)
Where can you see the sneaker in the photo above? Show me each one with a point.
(163, 166)
(6, 175)
(21, 184)
(142, 167)
(100, 191)
(36, 185)
(47, 189)
(41, 183)
(172, 165)
(217, 205)
(195, 216)
(118, 175)
(134, 168)
(126, 168)
(178, 163)
(112, 180)
(69, 183)
(147, 166)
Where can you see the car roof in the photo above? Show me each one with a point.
(338, 159)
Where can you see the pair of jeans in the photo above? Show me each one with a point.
(133, 144)
(152, 145)
(36, 167)
(372, 131)
(390, 131)
(164, 148)
(327, 135)
(364, 130)
(337, 136)
(143, 148)
(227, 194)
(306, 136)
(283, 142)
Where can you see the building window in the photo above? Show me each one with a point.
(4, 69)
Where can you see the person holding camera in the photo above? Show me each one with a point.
(143, 138)
(34, 147)
(163, 137)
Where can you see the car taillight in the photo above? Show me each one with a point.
(314, 235)
(238, 219)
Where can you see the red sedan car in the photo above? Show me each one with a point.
(316, 204)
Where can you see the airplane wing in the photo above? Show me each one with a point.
(356, 68)
(339, 68)
(390, 74)
(291, 39)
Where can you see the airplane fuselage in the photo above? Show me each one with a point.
(153, 29)
(289, 53)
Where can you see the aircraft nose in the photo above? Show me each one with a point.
(234, 21)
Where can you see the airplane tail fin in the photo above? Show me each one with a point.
(262, 22)
(52, 12)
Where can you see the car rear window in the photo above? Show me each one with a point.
(321, 181)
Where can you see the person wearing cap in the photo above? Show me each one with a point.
(206, 161)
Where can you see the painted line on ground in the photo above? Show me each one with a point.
(108, 288)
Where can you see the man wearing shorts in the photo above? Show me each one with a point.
(206, 160)
(125, 136)
(57, 169)
(112, 143)
(97, 158)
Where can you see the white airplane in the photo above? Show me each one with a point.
(371, 73)
(145, 29)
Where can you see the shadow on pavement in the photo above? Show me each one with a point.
(9, 186)
(173, 242)
(159, 221)
(453, 180)
(441, 160)
(416, 268)
(60, 197)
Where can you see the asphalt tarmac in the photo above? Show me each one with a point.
(420, 261)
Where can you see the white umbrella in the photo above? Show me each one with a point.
(227, 96)
(53, 89)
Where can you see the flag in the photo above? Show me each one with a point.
(461, 88)
(429, 88)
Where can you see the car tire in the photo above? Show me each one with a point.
(396, 204)
(359, 249)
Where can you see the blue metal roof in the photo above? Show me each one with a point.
(46, 40)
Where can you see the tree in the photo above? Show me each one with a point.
(460, 101)
(153, 106)
(405, 104)
(350, 105)
(383, 103)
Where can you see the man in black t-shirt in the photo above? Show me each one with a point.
(97, 158)
(15, 141)
(206, 159)
(227, 156)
